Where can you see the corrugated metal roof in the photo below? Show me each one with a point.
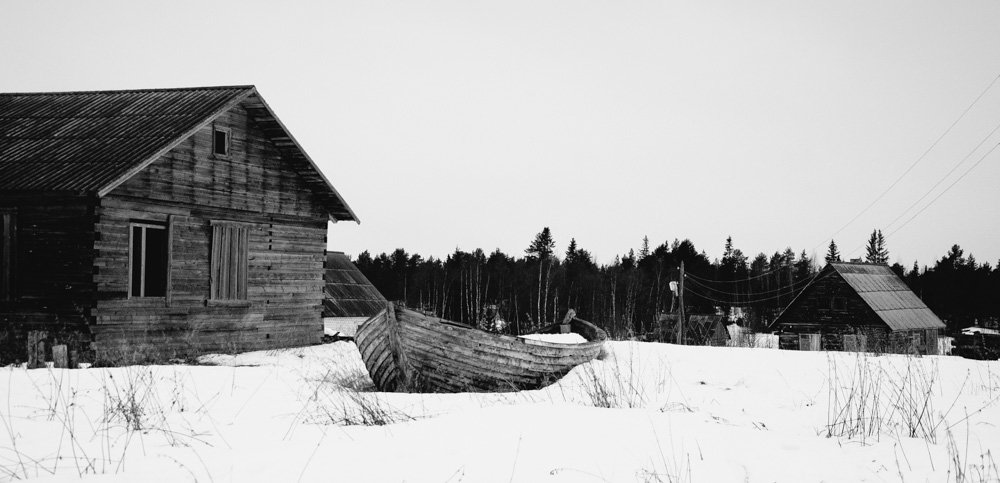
(888, 296)
(94, 141)
(84, 141)
(347, 292)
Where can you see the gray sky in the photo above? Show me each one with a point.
(473, 124)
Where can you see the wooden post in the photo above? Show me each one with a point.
(564, 327)
(59, 356)
(680, 295)
(36, 348)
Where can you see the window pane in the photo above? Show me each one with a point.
(221, 142)
(156, 262)
(135, 258)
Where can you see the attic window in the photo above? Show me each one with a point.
(220, 141)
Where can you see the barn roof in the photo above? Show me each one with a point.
(884, 292)
(888, 296)
(347, 292)
(94, 141)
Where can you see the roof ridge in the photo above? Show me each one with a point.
(124, 91)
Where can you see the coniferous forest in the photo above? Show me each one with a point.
(515, 293)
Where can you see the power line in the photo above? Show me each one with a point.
(749, 302)
(953, 183)
(893, 184)
(949, 173)
(784, 288)
(918, 160)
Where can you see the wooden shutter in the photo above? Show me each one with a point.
(8, 237)
(850, 343)
(230, 253)
(809, 342)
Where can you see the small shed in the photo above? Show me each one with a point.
(349, 299)
(858, 307)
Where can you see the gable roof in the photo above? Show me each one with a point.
(92, 142)
(347, 292)
(884, 292)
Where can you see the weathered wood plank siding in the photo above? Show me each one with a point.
(819, 314)
(52, 285)
(188, 188)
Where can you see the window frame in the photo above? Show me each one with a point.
(237, 294)
(8, 251)
(146, 225)
(838, 303)
(229, 141)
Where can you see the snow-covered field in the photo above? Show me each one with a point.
(647, 412)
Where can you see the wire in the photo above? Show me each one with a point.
(915, 163)
(750, 302)
(741, 302)
(953, 183)
(759, 275)
(949, 173)
(893, 185)
(784, 288)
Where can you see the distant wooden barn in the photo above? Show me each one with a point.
(858, 306)
(350, 299)
(146, 224)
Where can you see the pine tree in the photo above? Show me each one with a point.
(832, 254)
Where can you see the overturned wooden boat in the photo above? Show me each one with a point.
(406, 351)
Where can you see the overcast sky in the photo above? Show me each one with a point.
(472, 124)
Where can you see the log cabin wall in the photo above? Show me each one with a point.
(831, 308)
(186, 190)
(51, 278)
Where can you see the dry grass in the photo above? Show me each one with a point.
(876, 396)
(612, 383)
(129, 407)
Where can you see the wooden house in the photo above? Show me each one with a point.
(144, 224)
(858, 306)
(350, 298)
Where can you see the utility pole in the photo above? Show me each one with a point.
(680, 295)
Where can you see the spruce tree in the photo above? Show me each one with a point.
(571, 251)
(872, 250)
(832, 254)
(541, 247)
(883, 253)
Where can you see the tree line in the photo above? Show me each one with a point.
(519, 293)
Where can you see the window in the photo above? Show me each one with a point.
(220, 141)
(148, 253)
(8, 236)
(230, 243)
(838, 303)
